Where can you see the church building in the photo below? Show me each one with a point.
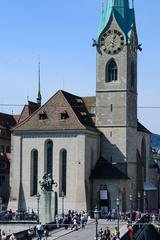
(93, 147)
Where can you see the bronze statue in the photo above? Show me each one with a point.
(47, 182)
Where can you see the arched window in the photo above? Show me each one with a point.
(111, 71)
(63, 171)
(34, 172)
(49, 157)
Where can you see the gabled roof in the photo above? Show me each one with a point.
(7, 120)
(28, 109)
(105, 170)
(63, 111)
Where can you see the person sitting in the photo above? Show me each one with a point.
(3, 237)
(75, 225)
(12, 237)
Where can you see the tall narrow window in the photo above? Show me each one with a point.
(111, 107)
(63, 171)
(34, 172)
(49, 167)
(111, 71)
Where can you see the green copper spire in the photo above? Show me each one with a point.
(122, 13)
(39, 98)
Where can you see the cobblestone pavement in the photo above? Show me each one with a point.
(88, 233)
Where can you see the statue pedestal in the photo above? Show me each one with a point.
(47, 207)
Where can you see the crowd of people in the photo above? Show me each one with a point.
(75, 220)
(18, 215)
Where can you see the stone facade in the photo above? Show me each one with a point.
(80, 148)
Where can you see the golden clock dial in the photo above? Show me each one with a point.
(112, 41)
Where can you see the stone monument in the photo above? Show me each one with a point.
(47, 199)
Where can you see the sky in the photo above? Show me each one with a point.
(61, 32)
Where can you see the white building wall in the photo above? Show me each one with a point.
(74, 144)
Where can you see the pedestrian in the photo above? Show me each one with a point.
(57, 221)
(12, 237)
(101, 233)
(65, 222)
(108, 233)
(131, 232)
(29, 234)
(39, 229)
(75, 225)
(46, 231)
(3, 237)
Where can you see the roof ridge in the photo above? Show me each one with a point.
(72, 107)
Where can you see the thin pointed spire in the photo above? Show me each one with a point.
(39, 98)
(27, 99)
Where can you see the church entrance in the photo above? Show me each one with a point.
(103, 200)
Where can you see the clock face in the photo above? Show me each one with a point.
(112, 41)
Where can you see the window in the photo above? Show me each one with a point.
(63, 171)
(111, 107)
(34, 172)
(111, 71)
(49, 167)
(8, 150)
(43, 115)
(2, 148)
(64, 115)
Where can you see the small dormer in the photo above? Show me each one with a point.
(64, 115)
(43, 115)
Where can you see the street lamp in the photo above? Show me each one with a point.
(144, 201)
(38, 199)
(96, 216)
(131, 199)
(139, 198)
(62, 194)
(118, 203)
(1, 200)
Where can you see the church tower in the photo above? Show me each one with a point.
(116, 85)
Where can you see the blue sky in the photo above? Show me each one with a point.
(60, 31)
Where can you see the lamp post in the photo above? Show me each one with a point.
(1, 200)
(139, 198)
(62, 194)
(118, 203)
(144, 194)
(38, 199)
(96, 216)
(131, 199)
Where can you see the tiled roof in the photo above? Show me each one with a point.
(27, 111)
(90, 103)
(63, 111)
(16, 117)
(80, 110)
(105, 170)
(7, 120)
